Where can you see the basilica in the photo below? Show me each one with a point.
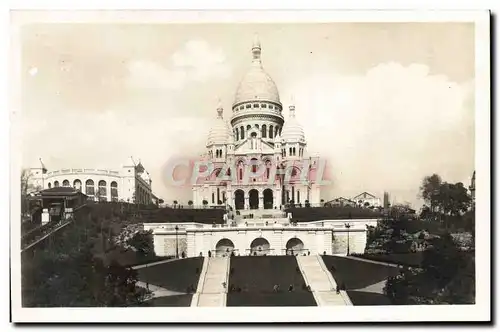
(259, 160)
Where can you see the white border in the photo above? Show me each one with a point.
(480, 311)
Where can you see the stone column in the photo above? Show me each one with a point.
(261, 201)
(247, 205)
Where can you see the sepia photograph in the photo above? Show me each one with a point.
(301, 166)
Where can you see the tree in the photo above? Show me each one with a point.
(454, 199)
(161, 201)
(190, 203)
(142, 241)
(430, 189)
(367, 204)
(175, 202)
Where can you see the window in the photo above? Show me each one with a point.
(242, 107)
(56, 183)
(65, 183)
(237, 134)
(249, 127)
(242, 131)
(298, 196)
(50, 185)
(213, 198)
(248, 106)
(77, 184)
(254, 165)
(271, 131)
(114, 191)
(264, 131)
(271, 107)
(102, 190)
(89, 187)
(263, 105)
(256, 105)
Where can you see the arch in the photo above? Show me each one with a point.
(239, 199)
(249, 127)
(260, 246)
(242, 132)
(65, 183)
(271, 131)
(89, 187)
(254, 162)
(102, 193)
(264, 131)
(237, 134)
(253, 199)
(56, 183)
(224, 247)
(77, 184)
(294, 246)
(50, 185)
(114, 191)
(268, 199)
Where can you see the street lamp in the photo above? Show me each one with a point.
(176, 242)
(348, 226)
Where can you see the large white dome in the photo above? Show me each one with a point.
(256, 84)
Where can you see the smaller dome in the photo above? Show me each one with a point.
(292, 130)
(220, 132)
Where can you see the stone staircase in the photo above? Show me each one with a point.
(211, 292)
(321, 282)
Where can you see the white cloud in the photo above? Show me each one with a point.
(387, 129)
(195, 61)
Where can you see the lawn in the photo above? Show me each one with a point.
(356, 274)
(176, 275)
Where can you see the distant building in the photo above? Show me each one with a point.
(130, 184)
(472, 187)
(366, 197)
(341, 201)
(386, 200)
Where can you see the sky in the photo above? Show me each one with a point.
(384, 103)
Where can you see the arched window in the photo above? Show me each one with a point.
(56, 183)
(254, 165)
(290, 152)
(264, 131)
(242, 132)
(271, 131)
(50, 185)
(89, 187)
(294, 151)
(249, 127)
(237, 134)
(213, 198)
(77, 184)
(298, 196)
(65, 183)
(114, 191)
(268, 169)
(276, 131)
(102, 190)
